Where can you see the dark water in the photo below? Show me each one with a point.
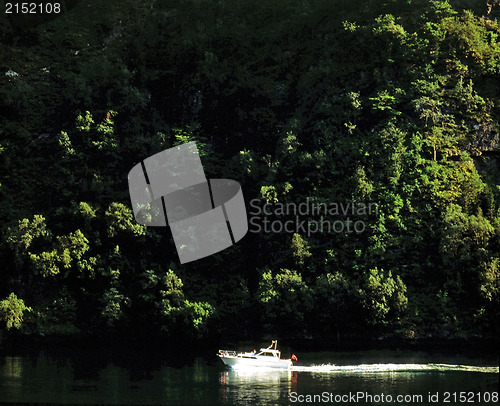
(78, 377)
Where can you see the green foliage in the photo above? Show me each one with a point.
(57, 316)
(300, 248)
(172, 293)
(22, 237)
(338, 298)
(113, 306)
(490, 287)
(121, 219)
(84, 123)
(382, 294)
(274, 99)
(69, 252)
(12, 311)
(465, 238)
(178, 313)
(196, 316)
(286, 300)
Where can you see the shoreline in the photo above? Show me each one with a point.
(477, 346)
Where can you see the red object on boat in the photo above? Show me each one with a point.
(294, 357)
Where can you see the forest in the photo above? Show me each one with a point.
(390, 104)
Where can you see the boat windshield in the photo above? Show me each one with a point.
(268, 353)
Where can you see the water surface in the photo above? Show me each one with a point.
(74, 377)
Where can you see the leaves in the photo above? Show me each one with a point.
(12, 311)
(378, 103)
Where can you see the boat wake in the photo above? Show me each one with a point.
(377, 368)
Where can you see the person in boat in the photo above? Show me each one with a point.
(254, 352)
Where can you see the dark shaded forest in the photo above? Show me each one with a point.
(395, 103)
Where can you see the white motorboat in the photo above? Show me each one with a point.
(269, 357)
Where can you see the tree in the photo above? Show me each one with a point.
(338, 298)
(383, 295)
(286, 301)
(12, 310)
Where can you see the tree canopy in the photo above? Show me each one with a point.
(391, 103)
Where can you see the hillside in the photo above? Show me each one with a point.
(364, 103)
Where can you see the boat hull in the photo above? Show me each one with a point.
(258, 362)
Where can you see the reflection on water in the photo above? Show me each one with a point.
(12, 371)
(377, 368)
(93, 378)
(263, 386)
(252, 385)
(13, 368)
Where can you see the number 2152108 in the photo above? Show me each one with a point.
(32, 8)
